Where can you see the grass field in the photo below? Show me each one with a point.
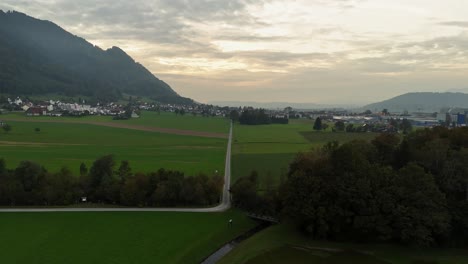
(269, 149)
(148, 118)
(115, 237)
(282, 242)
(59, 144)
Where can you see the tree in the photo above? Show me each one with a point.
(101, 179)
(7, 128)
(234, 115)
(254, 117)
(37, 130)
(83, 169)
(339, 125)
(421, 214)
(406, 126)
(244, 192)
(386, 145)
(60, 188)
(385, 111)
(124, 172)
(318, 124)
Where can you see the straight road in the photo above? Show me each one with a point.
(224, 205)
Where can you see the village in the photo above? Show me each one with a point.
(450, 117)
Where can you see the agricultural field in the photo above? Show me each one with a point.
(116, 237)
(68, 144)
(269, 149)
(148, 118)
(278, 243)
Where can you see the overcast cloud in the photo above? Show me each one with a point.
(322, 51)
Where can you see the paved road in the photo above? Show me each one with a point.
(223, 206)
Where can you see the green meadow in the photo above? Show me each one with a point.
(116, 237)
(283, 242)
(269, 149)
(148, 118)
(68, 144)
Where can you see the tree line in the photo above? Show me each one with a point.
(256, 117)
(31, 184)
(410, 190)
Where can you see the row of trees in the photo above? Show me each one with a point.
(412, 190)
(31, 184)
(256, 117)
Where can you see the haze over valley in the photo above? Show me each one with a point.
(234, 131)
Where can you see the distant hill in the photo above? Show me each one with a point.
(39, 57)
(421, 102)
(280, 105)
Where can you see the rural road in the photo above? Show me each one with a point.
(223, 206)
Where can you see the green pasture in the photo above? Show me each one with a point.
(269, 149)
(279, 243)
(60, 144)
(116, 237)
(147, 118)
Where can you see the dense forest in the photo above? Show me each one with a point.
(38, 57)
(410, 190)
(30, 184)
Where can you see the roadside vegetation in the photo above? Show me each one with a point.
(104, 183)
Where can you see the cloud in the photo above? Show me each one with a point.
(300, 50)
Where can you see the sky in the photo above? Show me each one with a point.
(311, 51)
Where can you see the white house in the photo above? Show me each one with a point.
(18, 101)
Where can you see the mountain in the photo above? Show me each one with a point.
(421, 102)
(39, 57)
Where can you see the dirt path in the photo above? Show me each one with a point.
(130, 126)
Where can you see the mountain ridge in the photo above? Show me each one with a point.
(421, 102)
(38, 57)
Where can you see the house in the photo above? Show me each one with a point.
(135, 115)
(18, 101)
(55, 113)
(36, 111)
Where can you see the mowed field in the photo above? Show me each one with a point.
(148, 118)
(269, 149)
(116, 237)
(283, 242)
(68, 144)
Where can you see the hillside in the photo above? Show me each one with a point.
(39, 57)
(421, 102)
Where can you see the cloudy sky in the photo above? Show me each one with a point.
(322, 51)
